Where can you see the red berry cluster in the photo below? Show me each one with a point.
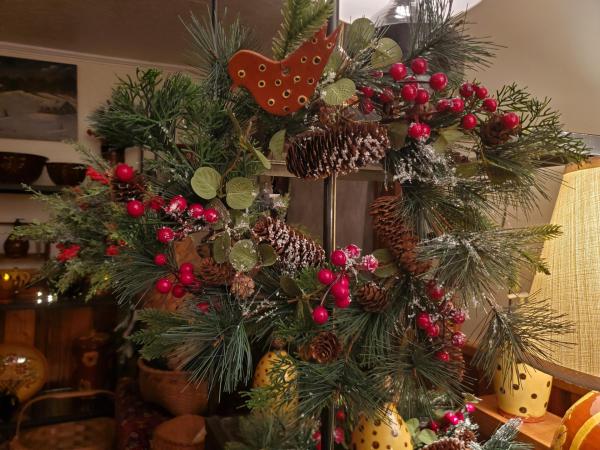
(451, 418)
(186, 278)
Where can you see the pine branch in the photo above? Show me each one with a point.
(301, 19)
(504, 438)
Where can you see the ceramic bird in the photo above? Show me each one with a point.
(283, 87)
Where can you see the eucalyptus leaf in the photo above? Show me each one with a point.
(447, 136)
(386, 270)
(412, 425)
(359, 36)
(268, 256)
(383, 255)
(397, 133)
(221, 248)
(205, 182)
(240, 192)
(290, 287)
(337, 93)
(262, 158)
(426, 436)
(243, 255)
(277, 144)
(467, 170)
(385, 53)
(335, 61)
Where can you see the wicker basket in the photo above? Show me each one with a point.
(181, 433)
(172, 390)
(91, 434)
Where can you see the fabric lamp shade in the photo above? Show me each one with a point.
(573, 286)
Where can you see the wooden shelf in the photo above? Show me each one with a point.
(61, 303)
(15, 188)
(539, 434)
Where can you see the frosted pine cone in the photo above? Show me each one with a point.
(325, 348)
(447, 443)
(341, 148)
(466, 435)
(123, 192)
(242, 286)
(373, 298)
(294, 249)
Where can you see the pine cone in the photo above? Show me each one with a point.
(123, 192)
(213, 273)
(494, 133)
(447, 443)
(294, 249)
(373, 298)
(325, 347)
(466, 435)
(456, 354)
(341, 148)
(242, 286)
(394, 234)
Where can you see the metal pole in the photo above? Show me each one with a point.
(213, 13)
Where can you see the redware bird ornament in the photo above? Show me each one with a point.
(283, 87)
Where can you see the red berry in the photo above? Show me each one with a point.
(112, 250)
(325, 276)
(367, 106)
(344, 280)
(338, 435)
(156, 203)
(160, 259)
(398, 71)
(163, 285)
(433, 330)
(211, 215)
(187, 278)
(204, 307)
(124, 172)
(458, 339)
(338, 258)
(466, 90)
(422, 97)
(178, 291)
(510, 120)
(343, 302)
(419, 66)
(434, 426)
(425, 130)
(377, 74)
(316, 435)
(135, 208)
(470, 408)
(196, 210)
(186, 267)
(415, 130)
(460, 416)
(443, 105)
(469, 121)
(177, 204)
(458, 317)
(435, 291)
(438, 81)
(338, 290)
(490, 104)
(481, 92)
(340, 415)
(367, 91)
(442, 355)
(457, 105)
(352, 250)
(320, 315)
(165, 235)
(423, 320)
(386, 96)
(450, 417)
(408, 92)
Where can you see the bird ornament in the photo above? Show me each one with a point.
(283, 87)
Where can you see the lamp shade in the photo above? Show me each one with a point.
(573, 286)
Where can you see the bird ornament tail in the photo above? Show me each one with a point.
(284, 87)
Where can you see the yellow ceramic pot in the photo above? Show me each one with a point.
(389, 433)
(580, 426)
(524, 393)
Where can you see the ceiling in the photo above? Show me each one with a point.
(149, 30)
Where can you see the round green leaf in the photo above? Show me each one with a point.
(359, 36)
(290, 287)
(243, 256)
(276, 144)
(397, 133)
(268, 256)
(240, 192)
(383, 255)
(340, 91)
(385, 53)
(221, 247)
(386, 270)
(426, 436)
(205, 182)
(262, 158)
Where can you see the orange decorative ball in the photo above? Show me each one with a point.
(580, 426)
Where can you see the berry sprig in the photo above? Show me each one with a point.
(185, 276)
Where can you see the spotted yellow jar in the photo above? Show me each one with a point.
(524, 393)
(263, 374)
(580, 426)
(389, 433)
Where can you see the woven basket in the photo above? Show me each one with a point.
(181, 433)
(91, 434)
(172, 390)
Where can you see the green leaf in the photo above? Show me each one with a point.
(412, 425)
(277, 143)
(335, 61)
(447, 136)
(221, 247)
(426, 436)
(268, 256)
(290, 287)
(262, 158)
(337, 93)
(240, 192)
(383, 255)
(359, 36)
(243, 255)
(205, 182)
(385, 53)
(386, 270)
(467, 170)
(397, 133)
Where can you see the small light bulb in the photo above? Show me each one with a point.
(39, 301)
(6, 277)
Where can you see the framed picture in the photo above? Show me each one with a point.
(38, 100)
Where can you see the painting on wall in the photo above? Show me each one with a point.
(38, 100)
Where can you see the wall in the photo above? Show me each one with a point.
(96, 76)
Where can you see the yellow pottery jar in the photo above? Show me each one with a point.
(386, 433)
(524, 393)
(580, 426)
